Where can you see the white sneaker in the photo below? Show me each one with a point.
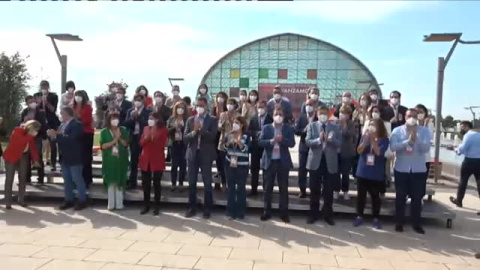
(346, 197)
(335, 195)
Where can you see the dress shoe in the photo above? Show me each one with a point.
(8, 207)
(23, 204)
(80, 206)
(190, 213)
(285, 218)
(206, 215)
(311, 220)
(418, 229)
(330, 221)
(456, 202)
(145, 210)
(265, 217)
(399, 228)
(66, 206)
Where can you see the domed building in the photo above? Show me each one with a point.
(296, 63)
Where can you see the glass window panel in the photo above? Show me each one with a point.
(263, 73)
(303, 54)
(244, 83)
(264, 54)
(268, 80)
(234, 82)
(324, 47)
(283, 45)
(292, 74)
(344, 64)
(292, 54)
(235, 63)
(293, 44)
(253, 63)
(233, 91)
(282, 55)
(302, 44)
(234, 73)
(264, 63)
(217, 72)
(254, 54)
(254, 46)
(327, 54)
(225, 73)
(312, 64)
(253, 83)
(283, 81)
(264, 44)
(312, 45)
(226, 63)
(303, 64)
(253, 73)
(245, 54)
(283, 64)
(327, 64)
(311, 74)
(273, 44)
(273, 63)
(236, 55)
(342, 74)
(215, 83)
(327, 74)
(244, 72)
(302, 74)
(273, 55)
(312, 55)
(293, 63)
(282, 74)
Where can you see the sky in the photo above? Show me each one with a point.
(148, 42)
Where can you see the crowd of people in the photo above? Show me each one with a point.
(243, 135)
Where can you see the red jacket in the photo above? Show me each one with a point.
(18, 142)
(85, 116)
(148, 102)
(153, 153)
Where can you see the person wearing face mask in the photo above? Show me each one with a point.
(236, 148)
(360, 115)
(219, 107)
(122, 105)
(244, 107)
(171, 101)
(346, 101)
(371, 170)
(20, 149)
(410, 142)
(199, 136)
(276, 139)
(67, 97)
(33, 112)
(261, 119)
(349, 137)
(69, 138)
(313, 94)
(83, 112)
(114, 144)
(278, 101)
(398, 110)
(425, 121)
(143, 91)
(160, 107)
(470, 148)
(47, 102)
(137, 120)
(190, 109)
(202, 92)
(301, 130)
(176, 127)
(225, 123)
(324, 140)
(152, 160)
(252, 105)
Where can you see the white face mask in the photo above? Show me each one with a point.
(142, 92)
(151, 122)
(261, 111)
(277, 97)
(411, 121)
(394, 101)
(243, 98)
(32, 105)
(180, 111)
(200, 110)
(159, 100)
(376, 115)
(70, 90)
(235, 127)
(421, 116)
(114, 90)
(176, 93)
(343, 116)
(372, 129)
(278, 119)
(374, 97)
(138, 104)
(78, 99)
(230, 107)
(314, 96)
(345, 99)
(363, 103)
(203, 91)
(322, 118)
(119, 96)
(114, 122)
(309, 109)
(253, 98)
(220, 100)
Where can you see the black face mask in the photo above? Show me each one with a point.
(463, 132)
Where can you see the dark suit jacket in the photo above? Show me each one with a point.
(208, 134)
(304, 110)
(288, 141)
(124, 108)
(337, 109)
(386, 113)
(69, 143)
(286, 106)
(164, 111)
(142, 120)
(254, 129)
(300, 130)
(40, 117)
(51, 116)
(390, 113)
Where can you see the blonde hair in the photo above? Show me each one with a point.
(346, 109)
(185, 108)
(32, 125)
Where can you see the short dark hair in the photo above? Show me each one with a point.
(262, 102)
(322, 108)
(396, 92)
(187, 100)
(84, 96)
(45, 83)
(68, 110)
(421, 106)
(203, 85)
(278, 109)
(467, 123)
(138, 96)
(27, 98)
(159, 118)
(202, 99)
(70, 84)
(110, 116)
(158, 92)
(140, 89)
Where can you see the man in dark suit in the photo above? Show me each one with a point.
(301, 130)
(137, 119)
(398, 110)
(260, 119)
(347, 101)
(199, 135)
(380, 103)
(324, 140)
(47, 102)
(276, 139)
(33, 112)
(122, 105)
(69, 142)
(278, 101)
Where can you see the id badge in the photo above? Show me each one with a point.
(115, 151)
(370, 159)
(178, 136)
(409, 150)
(233, 161)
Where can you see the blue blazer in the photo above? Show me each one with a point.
(69, 143)
(288, 141)
(142, 119)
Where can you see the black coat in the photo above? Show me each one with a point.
(40, 117)
(254, 129)
(50, 115)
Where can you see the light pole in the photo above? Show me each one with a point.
(473, 113)
(174, 79)
(62, 58)
(442, 64)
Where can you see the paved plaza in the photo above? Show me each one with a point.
(41, 237)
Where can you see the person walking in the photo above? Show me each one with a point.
(69, 139)
(21, 148)
(83, 111)
(152, 160)
(371, 170)
(236, 147)
(176, 127)
(114, 143)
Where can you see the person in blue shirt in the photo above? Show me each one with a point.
(371, 170)
(470, 148)
(410, 142)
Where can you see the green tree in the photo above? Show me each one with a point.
(448, 122)
(13, 88)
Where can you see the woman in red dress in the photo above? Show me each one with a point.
(152, 160)
(83, 110)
